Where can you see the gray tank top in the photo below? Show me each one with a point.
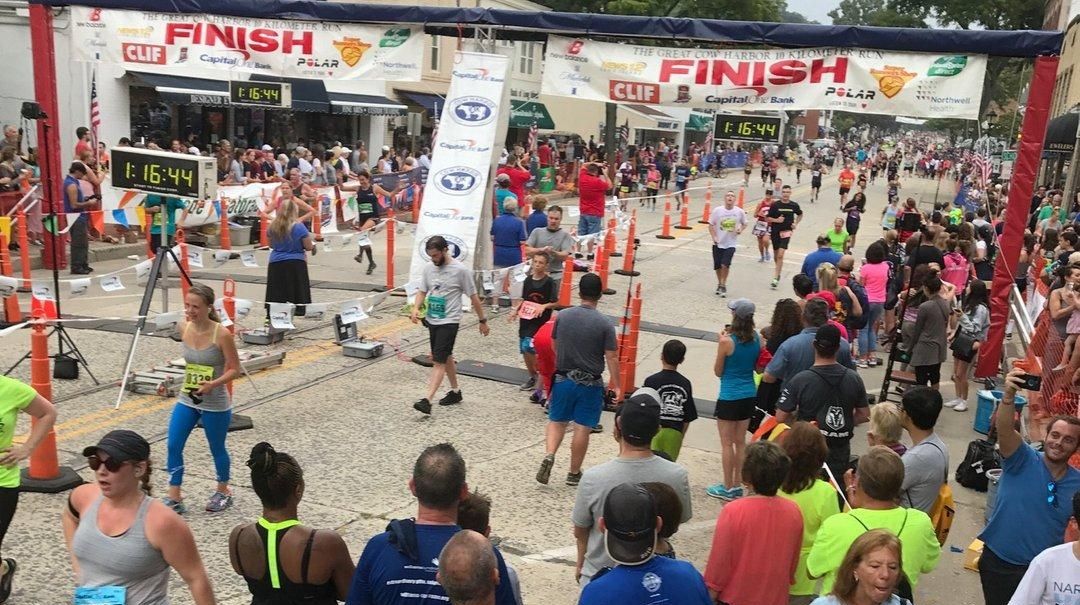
(200, 362)
(126, 560)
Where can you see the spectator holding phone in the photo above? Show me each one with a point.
(1036, 488)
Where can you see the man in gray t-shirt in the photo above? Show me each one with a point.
(442, 285)
(552, 240)
(636, 423)
(926, 463)
(582, 339)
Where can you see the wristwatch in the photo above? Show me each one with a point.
(483, 320)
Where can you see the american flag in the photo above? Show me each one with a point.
(709, 137)
(624, 134)
(434, 126)
(532, 137)
(980, 167)
(95, 111)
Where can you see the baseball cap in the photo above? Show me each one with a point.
(121, 445)
(194, 150)
(503, 178)
(741, 307)
(827, 337)
(825, 295)
(639, 416)
(630, 524)
(386, 148)
(590, 286)
(267, 148)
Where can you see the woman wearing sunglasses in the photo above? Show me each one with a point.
(211, 364)
(15, 397)
(122, 541)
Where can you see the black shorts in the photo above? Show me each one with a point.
(443, 337)
(815, 183)
(964, 358)
(928, 375)
(721, 257)
(735, 410)
(852, 227)
(779, 243)
(844, 190)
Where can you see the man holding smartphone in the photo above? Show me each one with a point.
(1034, 496)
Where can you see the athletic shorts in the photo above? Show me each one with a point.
(779, 243)
(443, 337)
(721, 257)
(815, 183)
(844, 190)
(852, 227)
(525, 345)
(573, 401)
(735, 410)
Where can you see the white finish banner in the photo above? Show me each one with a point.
(173, 43)
(848, 79)
(456, 192)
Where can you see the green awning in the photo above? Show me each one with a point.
(524, 113)
(699, 122)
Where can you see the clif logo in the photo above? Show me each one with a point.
(153, 54)
(638, 92)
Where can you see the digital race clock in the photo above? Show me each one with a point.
(174, 174)
(759, 129)
(263, 94)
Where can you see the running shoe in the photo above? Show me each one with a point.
(862, 363)
(6, 580)
(359, 258)
(544, 474)
(718, 491)
(775, 282)
(952, 402)
(723, 291)
(597, 429)
(451, 398)
(371, 268)
(219, 501)
(573, 479)
(768, 256)
(178, 506)
(528, 385)
(735, 493)
(960, 407)
(718, 289)
(423, 406)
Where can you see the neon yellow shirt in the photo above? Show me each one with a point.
(14, 397)
(837, 241)
(920, 546)
(817, 503)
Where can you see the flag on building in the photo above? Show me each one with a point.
(624, 134)
(95, 111)
(980, 168)
(532, 137)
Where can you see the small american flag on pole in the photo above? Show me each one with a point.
(980, 168)
(709, 137)
(624, 134)
(95, 110)
(532, 137)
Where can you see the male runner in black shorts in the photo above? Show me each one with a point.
(784, 216)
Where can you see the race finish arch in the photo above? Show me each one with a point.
(790, 66)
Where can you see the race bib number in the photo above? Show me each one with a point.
(100, 595)
(785, 234)
(436, 307)
(196, 374)
(530, 310)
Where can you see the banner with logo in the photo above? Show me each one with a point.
(846, 79)
(456, 191)
(172, 43)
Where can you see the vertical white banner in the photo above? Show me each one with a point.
(454, 200)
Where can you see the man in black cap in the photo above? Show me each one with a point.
(630, 525)
(830, 394)
(582, 339)
(636, 423)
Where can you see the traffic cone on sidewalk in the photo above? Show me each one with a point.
(665, 231)
(567, 282)
(708, 207)
(684, 217)
(631, 243)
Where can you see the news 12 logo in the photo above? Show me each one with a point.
(473, 111)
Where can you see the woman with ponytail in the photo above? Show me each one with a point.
(211, 364)
(287, 272)
(282, 561)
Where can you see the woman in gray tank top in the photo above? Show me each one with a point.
(212, 363)
(122, 541)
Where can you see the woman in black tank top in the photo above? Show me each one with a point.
(304, 566)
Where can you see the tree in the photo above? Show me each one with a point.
(875, 12)
(787, 16)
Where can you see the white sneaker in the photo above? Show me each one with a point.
(960, 407)
(951, 403)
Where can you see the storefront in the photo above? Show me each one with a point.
(652, 125)
(523, 115)
(199, 112)
(696, 128)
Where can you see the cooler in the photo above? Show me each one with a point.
(984, 409)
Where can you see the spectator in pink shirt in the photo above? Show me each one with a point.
(874, 277)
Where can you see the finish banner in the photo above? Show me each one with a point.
(846, 79)
(456, 192)
(172, 43)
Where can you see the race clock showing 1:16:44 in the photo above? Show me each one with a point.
(262, 94)
(758, 129)
(175, 174)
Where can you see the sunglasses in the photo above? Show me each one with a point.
(1051, 490)
(112, 465)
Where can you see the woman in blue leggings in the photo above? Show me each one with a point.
(212, 363)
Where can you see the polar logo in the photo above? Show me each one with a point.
(457, 180)
(457, 247)
(473, 111)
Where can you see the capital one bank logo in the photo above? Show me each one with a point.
(457, 180)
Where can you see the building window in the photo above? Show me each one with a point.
(528, 58)
(433, 65)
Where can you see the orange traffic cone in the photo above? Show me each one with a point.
(264, 224)
(628, 256)
(12, 314)
(708, 207)
(684, 217)
(226, 235)
(567, 282)
(742, 197)
(665, 231)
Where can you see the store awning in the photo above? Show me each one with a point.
(186, 91)
(1061, 132)
(523, 114)
(433, 104)
(364, 105)
(663, 120)
(307, 95)
(698, 122)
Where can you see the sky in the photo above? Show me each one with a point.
(815, 10)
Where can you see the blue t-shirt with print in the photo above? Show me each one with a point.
(1025, 522)
(385, 576)
(660, 580)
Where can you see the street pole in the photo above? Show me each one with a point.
(611, 116)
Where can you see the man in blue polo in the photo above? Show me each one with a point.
(823, 254)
